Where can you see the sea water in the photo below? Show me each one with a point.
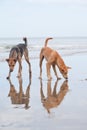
(65, 45)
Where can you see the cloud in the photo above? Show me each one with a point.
(42, 2)
(58, 1)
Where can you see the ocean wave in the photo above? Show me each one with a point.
(63, 47)
(34, 51)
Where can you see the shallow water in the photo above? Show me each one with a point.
(46, 105)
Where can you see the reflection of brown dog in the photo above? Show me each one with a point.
(53, 99)
(19, 97)
(53, 59)
(15, 55)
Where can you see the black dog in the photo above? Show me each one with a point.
(15, 55)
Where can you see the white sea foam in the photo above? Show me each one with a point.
(65, 46)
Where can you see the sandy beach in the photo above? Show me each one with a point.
(29, 103)
(44, 105)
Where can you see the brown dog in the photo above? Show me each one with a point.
(15, 55)
(53, 59)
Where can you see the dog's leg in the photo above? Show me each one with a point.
(48, 66)
(54, 68)
(9, 74)
(41, 60)
(20, 68)
(27, 60)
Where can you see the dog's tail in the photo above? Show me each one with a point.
(46, 41)
(25, 40)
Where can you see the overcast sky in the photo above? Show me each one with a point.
(42, 18)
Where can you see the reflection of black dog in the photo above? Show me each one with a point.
(53, 99)
(15, 55)
(19, 97)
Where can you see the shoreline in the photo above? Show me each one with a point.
(67, 59)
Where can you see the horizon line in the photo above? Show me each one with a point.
(45, 37)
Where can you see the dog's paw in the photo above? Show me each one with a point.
(59, 78)
(19, 75)
(7, 77)
(49, 78)
(40, 77)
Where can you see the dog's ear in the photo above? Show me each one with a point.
(69, 67)
(7, 60)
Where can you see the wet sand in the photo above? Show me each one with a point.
(44, 105)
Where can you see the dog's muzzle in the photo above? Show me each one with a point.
(11, 70)
(66, 78)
